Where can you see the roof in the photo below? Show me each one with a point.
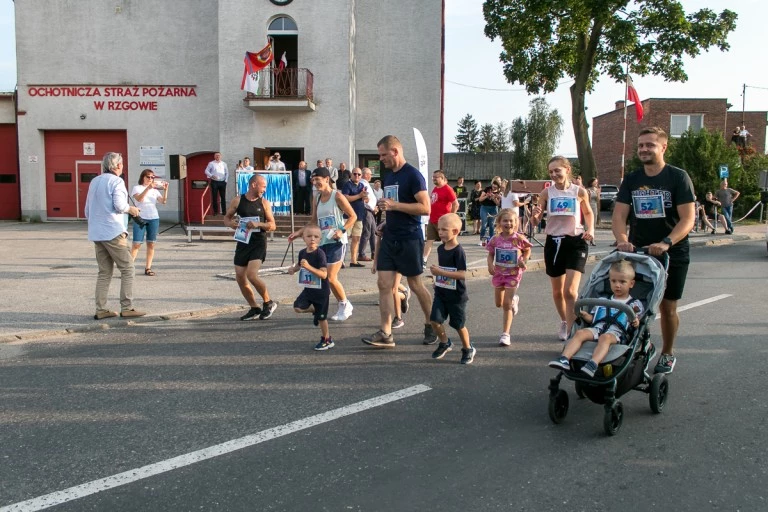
(477, 166)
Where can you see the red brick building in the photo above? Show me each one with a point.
(674, 115)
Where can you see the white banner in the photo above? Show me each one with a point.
(421, 152)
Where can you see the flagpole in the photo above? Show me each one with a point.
(624, 133)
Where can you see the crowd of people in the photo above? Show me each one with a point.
(656, 201)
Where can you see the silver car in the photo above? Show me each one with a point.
(607, 196)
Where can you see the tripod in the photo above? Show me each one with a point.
(181, 213)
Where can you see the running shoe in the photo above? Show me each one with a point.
(430, 338)
(269, 308)
(504, 339)
(442, 349)
(404, 304)
(252, 314)
(561, 363)
(380, 339)
(344, 312)
(589, 368)
(515, 304)
(563, 332)
(397, 323)
(666, 364)
(468, 355)
(325, 344)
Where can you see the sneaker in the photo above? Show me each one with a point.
(132, 313)
(504, 339)
(269, 308)
(252, 314)
(104, 313)
(325, 343)
(666, 364)
(356, 265)
(468, 355)
(442, 349)
(404, 304)
(344, 312)
(561, 363)
(430, 338)
(424, 262)
(380, 339)
(590, 368)
(563, 332)
(397, 323)
(515, 304)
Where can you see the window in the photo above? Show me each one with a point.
(283, 24)
(680, 123)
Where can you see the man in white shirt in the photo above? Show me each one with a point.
(217, 172)
(247, 164)
(105, 209)
(369, 221)
(334, 172)
(275, 164)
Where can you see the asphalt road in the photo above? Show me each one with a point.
(87, 406)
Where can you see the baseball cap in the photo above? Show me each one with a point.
(322, 172)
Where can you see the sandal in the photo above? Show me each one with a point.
(149, 272)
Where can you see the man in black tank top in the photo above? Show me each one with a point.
(249, 256)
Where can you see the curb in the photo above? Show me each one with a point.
(473, 273)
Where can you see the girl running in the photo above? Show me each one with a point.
(508, 254)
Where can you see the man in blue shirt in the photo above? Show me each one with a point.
(356, 193)
(404, 202)
(105, 209)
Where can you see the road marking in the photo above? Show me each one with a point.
(697, 304)
(133, 475)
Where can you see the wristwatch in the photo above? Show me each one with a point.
(667, 241)
(343, 229)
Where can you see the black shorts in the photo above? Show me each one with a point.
(455, 313)
(676, 275)
(402, 256)
(245, 253)
(320, 304)
(565, 253)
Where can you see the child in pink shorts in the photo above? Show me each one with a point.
(508, 253)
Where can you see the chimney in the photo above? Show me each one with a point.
(620, 105)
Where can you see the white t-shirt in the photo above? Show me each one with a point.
(275, 165)
(508, 201)
(148, 205)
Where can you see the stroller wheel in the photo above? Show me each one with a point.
(613, 418)
(558, 406)
(659, 392)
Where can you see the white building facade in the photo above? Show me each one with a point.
(155, 79)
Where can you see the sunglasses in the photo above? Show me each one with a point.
(150, 177)
(357, 174)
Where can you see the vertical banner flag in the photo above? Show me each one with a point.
(421, 152)
(635, 98)
(283, 63)
(253, 63)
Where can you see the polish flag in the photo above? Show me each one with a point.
(283, 62)
(634, 98)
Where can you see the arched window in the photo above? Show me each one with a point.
(283, 26)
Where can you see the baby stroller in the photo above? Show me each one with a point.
(625, 367)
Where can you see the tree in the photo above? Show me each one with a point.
(500, 137)
(535, 139)
(544, 41)
(468, 137)
(487, 139)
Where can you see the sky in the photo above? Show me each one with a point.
(473, 61)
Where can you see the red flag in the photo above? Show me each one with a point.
(634, 98)
(253, 62)
(283, 62)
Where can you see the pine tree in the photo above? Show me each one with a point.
(468, 136)
(487, 139)
(501, 137)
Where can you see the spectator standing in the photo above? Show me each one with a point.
(356, 193)
(247, 167)
(302, 188)
(333, 172)
(217, 174)
(443, 201)
(344, 176)
(594, 199)
(474, 206)
(368, 238)
(658, 200)
(460, 190)
(275, 164)
(249, 256)
(105, 207)
(147, 196)
(727, 196)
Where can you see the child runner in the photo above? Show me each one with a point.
(608, 326)
(313, 277)
(508, 254)
(450, 301)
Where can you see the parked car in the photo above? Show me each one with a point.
(607, 196)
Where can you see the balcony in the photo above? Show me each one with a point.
(289, 89)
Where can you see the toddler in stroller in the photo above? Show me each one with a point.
(608, 325)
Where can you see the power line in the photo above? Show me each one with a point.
(498, 90)
(756, 87)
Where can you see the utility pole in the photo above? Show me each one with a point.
(743, 102)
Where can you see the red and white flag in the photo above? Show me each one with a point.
(283, 63)
(253, 63)
(634, 98)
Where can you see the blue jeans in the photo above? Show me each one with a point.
(487, 218)
(728, 214)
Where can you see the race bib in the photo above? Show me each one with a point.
(506, 258)
(309, 280)
(562, 206)
(448, 283)
(649, 207)
(390, 192)
(327, 224)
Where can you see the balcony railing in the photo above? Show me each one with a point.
(290, 83)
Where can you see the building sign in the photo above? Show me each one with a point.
(153, 157)
(115, 97)
(89, 148)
